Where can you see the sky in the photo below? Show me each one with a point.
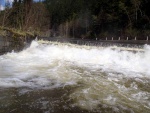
(2, 3)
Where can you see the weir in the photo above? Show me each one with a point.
(103, 42)
(7, 44)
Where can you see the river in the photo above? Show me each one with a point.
(67, 78)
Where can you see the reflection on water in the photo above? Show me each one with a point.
(64, 78)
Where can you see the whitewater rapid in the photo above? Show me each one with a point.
(109, 78)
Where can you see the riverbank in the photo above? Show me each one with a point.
(13, 39)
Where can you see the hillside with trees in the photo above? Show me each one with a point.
(79, 18)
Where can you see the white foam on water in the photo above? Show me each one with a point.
(108, 76)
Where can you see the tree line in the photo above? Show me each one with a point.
(80, 18)
(25, 15)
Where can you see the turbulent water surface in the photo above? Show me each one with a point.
(65, 78)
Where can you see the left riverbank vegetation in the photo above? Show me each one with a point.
(79, 18)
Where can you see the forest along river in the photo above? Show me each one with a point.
(67, 78)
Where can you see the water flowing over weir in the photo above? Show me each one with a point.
(53, 77)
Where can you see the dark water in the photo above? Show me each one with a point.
(25, 100)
